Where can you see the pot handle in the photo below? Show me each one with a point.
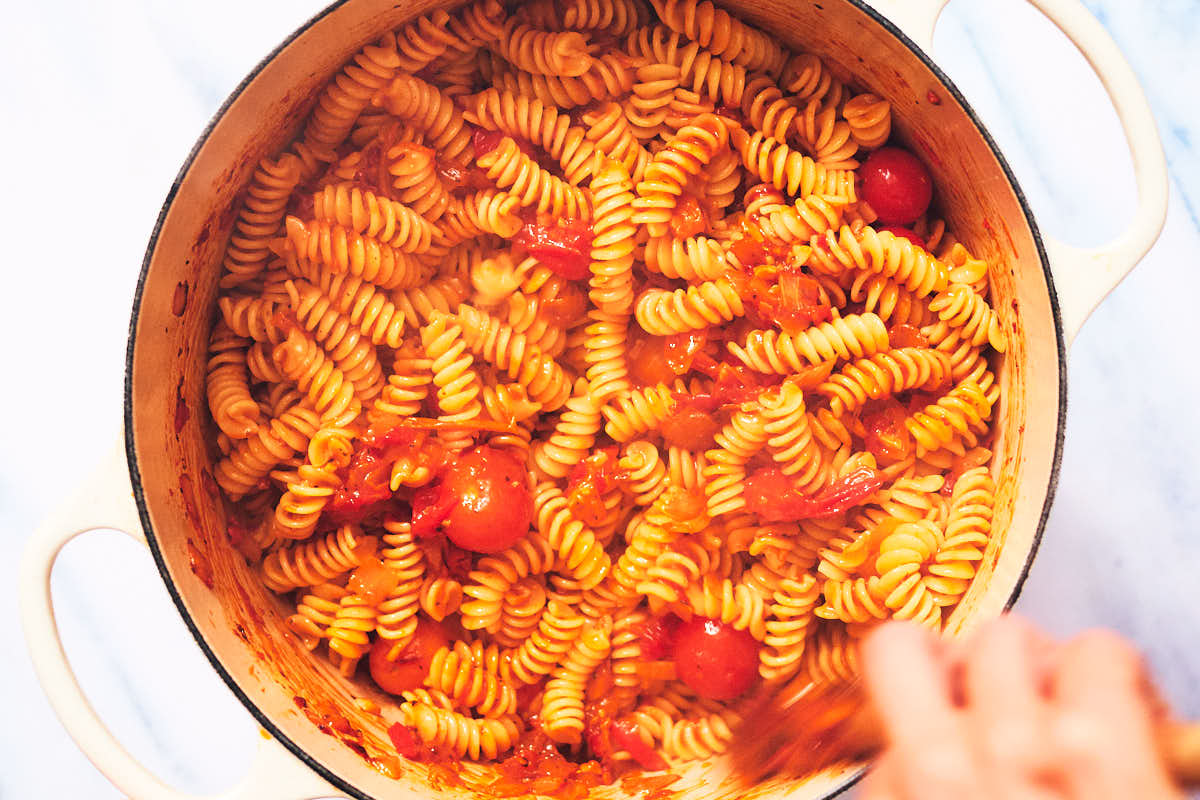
(105, 501)
(1084, 276)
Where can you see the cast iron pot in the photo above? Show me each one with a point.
(1043, 292)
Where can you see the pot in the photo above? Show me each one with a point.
(1043, 291)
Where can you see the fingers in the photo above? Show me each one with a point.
(1102, 726)
(908, 685)
(1007, 711)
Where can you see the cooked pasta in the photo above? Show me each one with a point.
(563, 330)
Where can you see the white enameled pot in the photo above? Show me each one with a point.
(1043, 291)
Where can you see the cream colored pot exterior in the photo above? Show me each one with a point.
(240, 624)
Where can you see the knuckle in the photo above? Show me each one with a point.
(1078, 738)
(940, 771)
(1015, 745)
(1106, 647)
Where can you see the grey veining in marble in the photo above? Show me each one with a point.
(102, 103)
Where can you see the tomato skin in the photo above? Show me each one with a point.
(624, 735)
(658, 636)
(902, 232)
(492, 507)
(690, 428)
(715, 660)
(409, 668)
(404, 740)
(896, 185)
(886, 436)
(689, 218)
(565, 246)
(774, 498)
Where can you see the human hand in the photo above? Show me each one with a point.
(1006, 713)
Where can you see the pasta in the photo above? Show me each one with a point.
(563, 329)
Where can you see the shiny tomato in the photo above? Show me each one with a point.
(896, 185)
(904, 233)
(408, 669)
(714, 659)
(492, 506)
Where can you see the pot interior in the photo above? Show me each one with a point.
(241, 625)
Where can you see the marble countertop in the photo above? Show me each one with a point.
(102, 104)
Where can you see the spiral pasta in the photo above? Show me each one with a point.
(315, 562)
(616, 251)
(368, 214)
(883, 375)
(852, 336)
(579, 552)
(469, 674)
(498, 344)
(519, 115)
(457, 734)
(562, 703)
(228, 388)
(663, 313)
(544, 52)
(723, 34)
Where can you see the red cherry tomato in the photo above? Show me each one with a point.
(408, 669)
(896, 185)
(492, 507)
(715, 660)
(904, 233)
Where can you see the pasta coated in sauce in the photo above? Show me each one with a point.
(624, 244)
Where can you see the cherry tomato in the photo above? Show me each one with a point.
(492, 507)
(715, 660)
(896, 185)
(904, 233)
(408, 669)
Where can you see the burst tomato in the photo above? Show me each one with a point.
(491, 507)
(408, 669)
(714, 659)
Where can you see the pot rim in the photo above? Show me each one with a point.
(135, 471)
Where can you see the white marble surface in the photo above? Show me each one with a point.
(101, 105)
